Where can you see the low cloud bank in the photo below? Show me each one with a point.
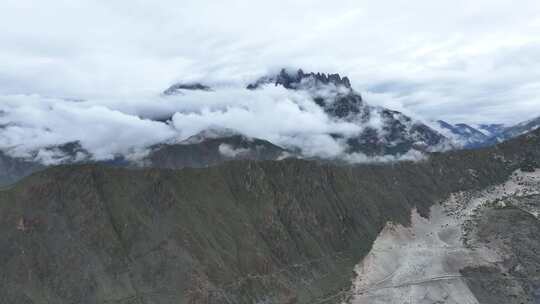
(411, 155)
(106, 128)
(32, 123)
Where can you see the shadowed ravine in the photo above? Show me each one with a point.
(243, 232)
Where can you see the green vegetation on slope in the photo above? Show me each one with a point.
(243, 232)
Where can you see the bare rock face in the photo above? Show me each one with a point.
(513, 232)
(300, 80)
(475, 247)
(331, 92)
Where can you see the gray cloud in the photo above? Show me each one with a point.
(464, 61)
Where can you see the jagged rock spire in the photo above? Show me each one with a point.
(294, 80)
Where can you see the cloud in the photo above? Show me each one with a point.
(284, 117)
(438, 59)
(33, 122)
(111, 127)
(427, 59)
(361, 158)
(107, 128)
(230, 151)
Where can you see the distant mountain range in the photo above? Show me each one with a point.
(463, 134)
(484, 135)
(384, 132)
(515, 130)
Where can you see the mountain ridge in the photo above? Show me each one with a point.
(484, 135)
(239, 232)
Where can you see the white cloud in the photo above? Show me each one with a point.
(471, 61)
(462, 61)
(108, 127)
(33, 122)
(411, 155)
(230, 151)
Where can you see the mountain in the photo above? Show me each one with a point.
(463, 134)
(490, 130)
(484, 135)
(270, 232)
(212, 147)
(301, 80)
(515, 130)
(14, 168)
(207, 148)
(385, 132)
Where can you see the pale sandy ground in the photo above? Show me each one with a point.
(420, 264)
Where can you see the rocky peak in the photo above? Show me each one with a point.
(299, 79)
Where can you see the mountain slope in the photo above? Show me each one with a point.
(242, 232)
(515, 130)
(464, 135)
(204, 149)
(485, 135)
(13, 169)
(490, 130)
(208, 148)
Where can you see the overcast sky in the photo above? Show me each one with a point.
(462, 60)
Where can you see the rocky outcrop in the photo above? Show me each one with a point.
(301, 80)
